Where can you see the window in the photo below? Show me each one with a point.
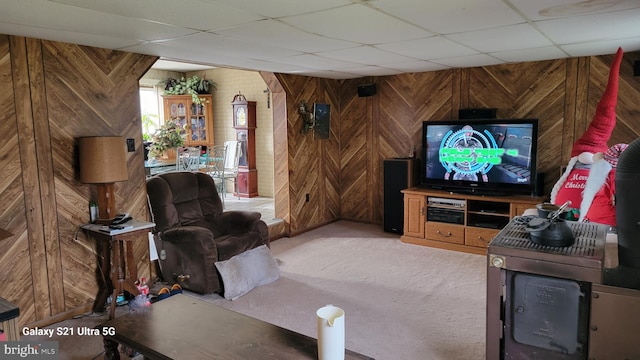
(150, 111)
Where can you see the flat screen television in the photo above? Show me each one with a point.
(482, 156)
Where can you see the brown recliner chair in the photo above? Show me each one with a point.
(193, 231)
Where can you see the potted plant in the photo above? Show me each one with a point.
(166, 138)
(190, 86)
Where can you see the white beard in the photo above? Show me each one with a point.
(598, 175)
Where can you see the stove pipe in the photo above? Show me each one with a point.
(627, 180)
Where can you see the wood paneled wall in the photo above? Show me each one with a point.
(562, 94)
(51, 93)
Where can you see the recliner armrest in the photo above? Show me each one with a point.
(237, 222)
(200, 236)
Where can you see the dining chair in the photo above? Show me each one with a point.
(231, 162)
(215, 167)
(188, 159)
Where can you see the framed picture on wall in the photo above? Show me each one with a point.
(322, 119)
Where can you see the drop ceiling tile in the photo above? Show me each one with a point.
(587, 28)
(371, 71)
(192, 14)
(602, 47)
(211, 43)
(427, 48)
(417, 66)
(328, 74)
(469, 61)
(280, 8)
(72, 37)
(312, 61)
(53, 16)
(524, 55)
(356, 23)
(452, 16)
(504, 38)
(276, 33)
(163, 64)
(548, 9)
(366, 55)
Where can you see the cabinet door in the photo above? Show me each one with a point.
(177, 109)
(414, 215)
(200, 129)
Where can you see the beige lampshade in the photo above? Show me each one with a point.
(102, 159)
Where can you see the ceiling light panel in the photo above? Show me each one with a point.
(356, 23)
(452, 16)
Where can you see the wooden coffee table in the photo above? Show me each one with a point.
(183, 327)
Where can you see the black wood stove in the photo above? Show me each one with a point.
(549, 303)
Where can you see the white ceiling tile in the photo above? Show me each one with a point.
(192, 14)
(505, 38)
(372, 71)
(367, 55)
(417, 66)
(523, 55)
(54, 16)
(427, 48)
(357, 23)
(328, 74)
(469, 61)
(162, 64)
(276, 33)
(315, 62)
(548, 9)
(72, 37)
(602, 47)
(585, 28)
(307, 37)
(280, 8)
(211, 43)
(452, 16)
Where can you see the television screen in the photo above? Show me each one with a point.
(480, 155)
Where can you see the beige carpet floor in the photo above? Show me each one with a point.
(401, 301)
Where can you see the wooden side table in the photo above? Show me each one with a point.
(116, 245)
(9, 320)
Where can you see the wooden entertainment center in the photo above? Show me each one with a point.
(460, 222)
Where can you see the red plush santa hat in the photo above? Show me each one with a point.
(595, 138)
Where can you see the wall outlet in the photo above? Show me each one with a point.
(131, 145)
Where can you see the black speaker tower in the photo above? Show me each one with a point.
(399, 174)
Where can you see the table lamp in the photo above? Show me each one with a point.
(103, 162)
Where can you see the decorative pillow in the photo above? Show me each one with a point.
(245, 271)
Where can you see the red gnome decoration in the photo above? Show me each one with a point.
(571, 185)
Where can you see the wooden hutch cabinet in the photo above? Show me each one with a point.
(459, 222)
(195, 120)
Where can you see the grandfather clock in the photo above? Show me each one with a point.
(244, 121)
